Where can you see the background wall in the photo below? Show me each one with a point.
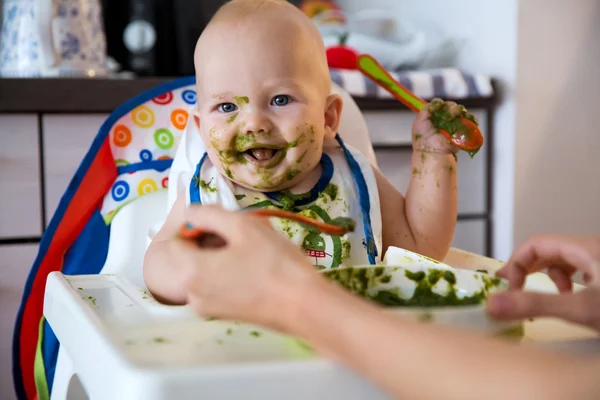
(547, 152)
(490, 30)
(557, 158)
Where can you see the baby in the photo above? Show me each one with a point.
(269, 123)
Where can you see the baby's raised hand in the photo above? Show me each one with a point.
(426, 137)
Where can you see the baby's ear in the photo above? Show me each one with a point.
(333, 112)
(196, 116)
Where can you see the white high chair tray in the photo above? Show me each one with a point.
(125, 345)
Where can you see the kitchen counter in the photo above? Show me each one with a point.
(76, 95)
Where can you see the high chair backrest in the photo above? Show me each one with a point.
(129, 158)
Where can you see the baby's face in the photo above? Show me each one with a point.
(261, 110)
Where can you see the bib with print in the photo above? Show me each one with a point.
(346, 188)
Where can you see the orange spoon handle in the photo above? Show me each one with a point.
(187, 231)
(469, 139)
(322, 227)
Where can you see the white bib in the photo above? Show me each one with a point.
(346, 188)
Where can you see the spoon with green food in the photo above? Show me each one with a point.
(336, 227)
(462, 132)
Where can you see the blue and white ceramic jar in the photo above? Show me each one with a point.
(52, 38)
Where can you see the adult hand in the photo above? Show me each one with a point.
(254, 274)
(563, 256)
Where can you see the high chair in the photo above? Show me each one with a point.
(118, 195)
(116, 342)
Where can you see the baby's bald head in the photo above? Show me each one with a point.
(275, 30)
(234, 9)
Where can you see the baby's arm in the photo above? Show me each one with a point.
(424, 221)
(161, 274)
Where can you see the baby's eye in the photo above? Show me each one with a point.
(227, 107)
(281, 100)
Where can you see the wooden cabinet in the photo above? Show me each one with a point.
(20, 206)
(15, 263)
(67, 139)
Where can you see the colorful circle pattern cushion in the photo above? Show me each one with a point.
(143, 117)
(164, 138)
(163, 99)
(179, 118)
(141, 140)
(189, 96)
(146, 186)
(146, 155)
(121, 136)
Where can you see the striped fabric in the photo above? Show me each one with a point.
(447, 83)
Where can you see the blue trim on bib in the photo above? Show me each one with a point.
(195, 183)
(321, 184)
(365, 202)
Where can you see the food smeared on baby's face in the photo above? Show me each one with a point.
(241, 101)
(264, 159)
(232, 118)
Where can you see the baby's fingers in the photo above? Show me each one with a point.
(434, 105)
(456, 110)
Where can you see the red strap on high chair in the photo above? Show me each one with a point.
(95, 183)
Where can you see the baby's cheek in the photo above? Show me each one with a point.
(310, 146)
(217, 138)
(307, 134)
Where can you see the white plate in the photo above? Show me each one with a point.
(406, 273)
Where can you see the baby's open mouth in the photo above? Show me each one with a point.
(264, 157)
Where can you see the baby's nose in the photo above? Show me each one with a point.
(256, 122)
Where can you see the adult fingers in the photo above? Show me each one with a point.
(575, 307)
(552, 250)
(562, 278)
(216, 220)
(514, 274)
(560, 274)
